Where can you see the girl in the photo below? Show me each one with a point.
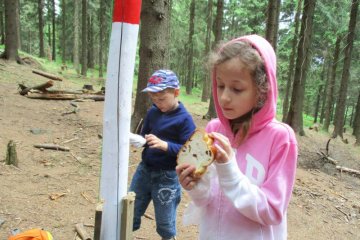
(246, 192)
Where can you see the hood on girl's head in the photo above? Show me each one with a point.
(268, 110)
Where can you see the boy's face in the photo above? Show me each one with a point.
(165, 100)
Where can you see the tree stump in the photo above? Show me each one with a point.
(11, 156)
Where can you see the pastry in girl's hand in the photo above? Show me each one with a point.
(198, 151)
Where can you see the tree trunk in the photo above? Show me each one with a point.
(76, 36)
(317, 104)
(153, 51)
(324, 99)
(90, 51)
(356, 124)
(63, 26)
(84, 38)
(101, 36)
(218, 35)
(207, 81)
(341, 102)
(291, 63)
(11, 28)
(18, 27)
(294, 118)
(351, 123)
(190, 47)
(272, 22)
(53, 31)
(41, 28)
(2, 25)
(331, 86)
(321, 92)
(49, 40)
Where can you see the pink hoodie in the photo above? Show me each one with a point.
(247, 197)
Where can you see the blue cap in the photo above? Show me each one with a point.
(160, 80)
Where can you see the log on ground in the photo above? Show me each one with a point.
(42, 87)
(47, 75)
(65, 96)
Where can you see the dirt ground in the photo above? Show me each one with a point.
(55, 190)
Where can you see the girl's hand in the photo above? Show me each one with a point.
(155, 142)
(224, 150)
(184, 172)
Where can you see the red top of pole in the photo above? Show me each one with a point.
(127, 11)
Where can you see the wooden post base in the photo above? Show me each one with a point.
(127, 218)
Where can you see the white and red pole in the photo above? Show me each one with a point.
(117, 114)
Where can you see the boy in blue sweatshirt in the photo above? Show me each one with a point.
(166, 128)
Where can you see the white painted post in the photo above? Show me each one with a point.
(117, 114)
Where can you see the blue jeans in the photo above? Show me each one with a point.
(163, 188)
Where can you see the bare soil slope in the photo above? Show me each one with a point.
(55, 190)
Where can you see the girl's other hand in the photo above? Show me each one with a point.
(184, 172)
(224, 150)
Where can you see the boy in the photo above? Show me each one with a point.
(166, 128)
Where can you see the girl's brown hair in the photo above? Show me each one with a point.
(252, 61)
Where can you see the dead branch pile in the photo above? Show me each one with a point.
(41, 92)
(331, 160)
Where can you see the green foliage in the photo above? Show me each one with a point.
(240, 17)
(193, 102)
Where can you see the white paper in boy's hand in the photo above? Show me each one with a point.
(137, 140)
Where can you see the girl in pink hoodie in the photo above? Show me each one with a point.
(246, 192)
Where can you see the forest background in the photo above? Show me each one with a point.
(317, 45)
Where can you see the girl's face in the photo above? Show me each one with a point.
(236, 90)
(165, 100)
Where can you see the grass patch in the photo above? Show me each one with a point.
(193, 102)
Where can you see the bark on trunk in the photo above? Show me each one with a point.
(11, 31)
(153, 51)
(207, 81)
(190, 67)
(292, 63)
(341, 102)
(218, 35)
(294, 118)
(41, 28)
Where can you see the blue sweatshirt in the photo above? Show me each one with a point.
(174, 127)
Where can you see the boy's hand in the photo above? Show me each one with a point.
(155, 142)
(224, 150)
(184, 172)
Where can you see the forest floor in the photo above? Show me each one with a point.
(55, 190)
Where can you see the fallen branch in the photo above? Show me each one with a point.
(346, 215)
(76, 158)
(82, 232)
(51, 146)
(70, 140)
(55, 196)
(327, 158)
(42, 87)
(86, 197)
(65, 96)
(75, 110)
(149, 216)
(327, 147)
(348, 170)
(47, 75)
